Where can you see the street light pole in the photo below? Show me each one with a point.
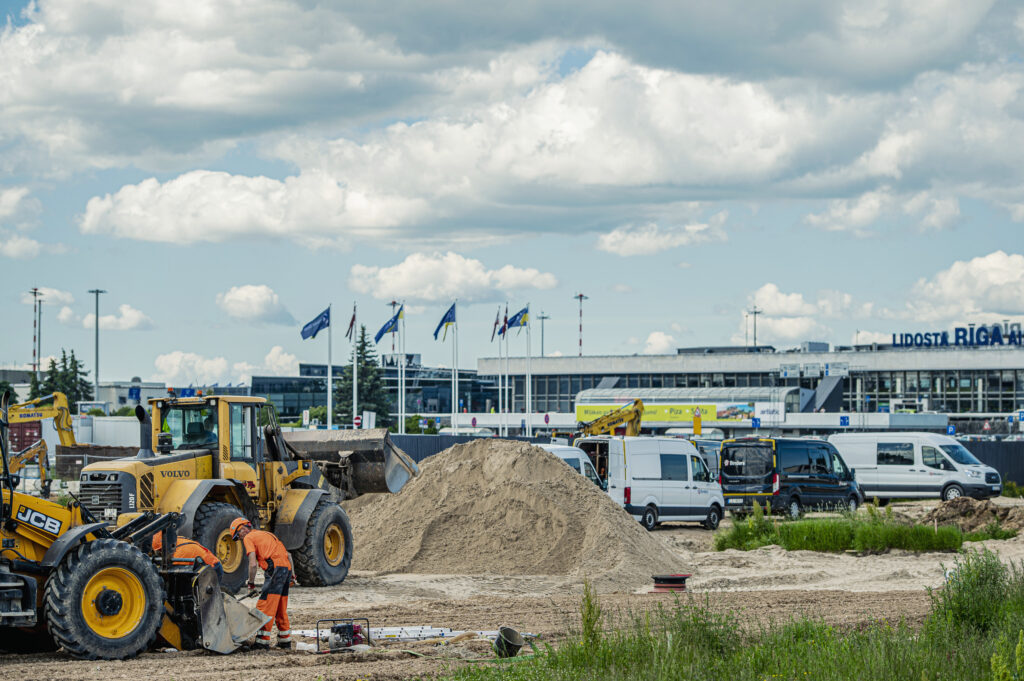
(542, 317)
(96, 376)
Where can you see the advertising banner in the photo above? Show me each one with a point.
(674, 413)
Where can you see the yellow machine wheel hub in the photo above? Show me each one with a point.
(228, 551)
(334, 545)
(113, 602)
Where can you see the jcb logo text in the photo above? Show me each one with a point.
(37, 519)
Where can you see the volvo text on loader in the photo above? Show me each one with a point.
(69, 581)
(213, 463)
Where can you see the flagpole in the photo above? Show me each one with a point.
(355, 372)
(501, 384)
(455, 358)
(330, 376)
(401, 375)
(529, 378)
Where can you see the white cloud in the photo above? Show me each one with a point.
(684, 265)
(860, 214)
(12, 200)
(69, 317)
(254, 303)
(985, 288)
(652, 238)
(184, 368)
(622, 288)
(436, 277)
(50, 296)
(126, 319)
(659, 343)
(774, 303)
(17, 246)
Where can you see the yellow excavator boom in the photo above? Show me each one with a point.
(629, 415)
(53, 406)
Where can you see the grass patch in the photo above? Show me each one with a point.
(972, 633)
(990, 531)
(873, 532)
(1012, 489)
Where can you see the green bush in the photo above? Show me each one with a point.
(980, 592)
(1012, 489)
(990, 531)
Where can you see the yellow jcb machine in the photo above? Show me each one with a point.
(53, 406)
(213, 463)
(69, 581)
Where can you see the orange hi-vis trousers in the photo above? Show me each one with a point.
(274, 602)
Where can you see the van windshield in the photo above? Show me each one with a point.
(747, 461)
(960, 454)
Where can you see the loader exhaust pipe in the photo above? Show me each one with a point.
(145, 433)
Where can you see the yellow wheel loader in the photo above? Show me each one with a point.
(213, 463)
(71, 582)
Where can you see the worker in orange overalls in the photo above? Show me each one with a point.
(190, 549)
(266, 550)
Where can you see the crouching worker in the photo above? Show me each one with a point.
(267, 551)
(190, 550)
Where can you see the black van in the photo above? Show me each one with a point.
(788, 473)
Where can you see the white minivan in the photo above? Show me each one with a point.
(905, 465)
(656, 478)
(577, 459)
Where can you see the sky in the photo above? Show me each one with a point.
(226, 170)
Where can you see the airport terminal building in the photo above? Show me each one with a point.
(969, 373)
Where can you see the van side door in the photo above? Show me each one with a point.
(823, 481)
(897, 470)
(675, 486)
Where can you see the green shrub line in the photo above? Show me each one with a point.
(974, 631)
(1012, 489)
(873, 532)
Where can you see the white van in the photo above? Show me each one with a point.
(905, 465)
(656, 478)
(577, 459)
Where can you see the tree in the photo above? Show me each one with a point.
(68, 377)
(372, 396)
(34, 389)
(6, 386)
(125, 411)
(412, 426)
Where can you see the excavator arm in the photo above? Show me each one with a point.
(36, 452)
(629, 415)
(53, 406)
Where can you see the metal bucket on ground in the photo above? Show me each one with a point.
(508, 643)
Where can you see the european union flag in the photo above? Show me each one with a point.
(322, 321)
(448, 318)
(391, 325)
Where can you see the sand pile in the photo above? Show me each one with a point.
(505, 508)
(970, 514)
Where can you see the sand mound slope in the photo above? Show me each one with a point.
(505, 508)
(970, 514)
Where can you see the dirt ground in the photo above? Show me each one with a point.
(769, 583)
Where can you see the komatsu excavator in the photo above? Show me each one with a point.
(69, 581)
(212, 463)
(53, 406)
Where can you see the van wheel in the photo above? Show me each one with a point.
(650, 518)
(714, 517)
(793, 509)
(851, 504)
(952, 492)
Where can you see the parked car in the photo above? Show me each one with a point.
(901, 465)
(577, 459)
(656, 479)
(787, 474)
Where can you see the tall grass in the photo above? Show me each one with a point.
(874, 532)
(966, 637)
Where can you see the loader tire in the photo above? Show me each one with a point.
(326, 554)
(211, 527)
(104, 601)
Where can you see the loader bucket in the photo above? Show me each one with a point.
(377, 464)
(224, 623)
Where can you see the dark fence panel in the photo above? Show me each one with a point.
(419, 447)
(1005, 457)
